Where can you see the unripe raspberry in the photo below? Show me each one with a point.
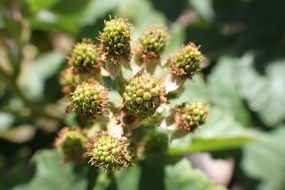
(187, 61)
(115, 39)
(68, 79)
(72, 143)
(189, 117)
(84, 56)
(153, 43)
(89, 99)
(142, 96)
(109, 153)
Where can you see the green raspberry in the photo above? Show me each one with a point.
(84, 56)
(153, 43)
(190, 116)
(72, 143)
(67, 80)
(89, 99)
(109, 153)
(187, 61)
(142, 96)
(115, 39)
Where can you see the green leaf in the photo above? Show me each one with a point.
(32, 77)
(115, 98)
(265, 161)
(183, 177)
(36, 5)
(128, 178)
(194, 90)
(221, 132)
(50, 174)
(203, 8)
(224, 89)
(141, 17)
(264, 94)
(177, 38)
(6, 121)
(90, 16)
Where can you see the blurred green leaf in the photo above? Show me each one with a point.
(36, 5)
(177, 38)
(194, 90)
(90, 16)
(19, 134)
(183, 177)
(50, 174)
(204, 8)
(48, 64)
(128, 178)
(224, 89)
(221, 132)
(264, 94)
(265, 161)
(6, 121)
(33, 76)
(14, 168)
(115, 98)
(142, 17)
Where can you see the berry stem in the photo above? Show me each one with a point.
(121, 82)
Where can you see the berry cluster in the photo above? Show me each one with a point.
(152, 43)
(84, 56)
(72, 143)
(115, 40)
(108, 152)
(186, 62)
(89, 99)
(190, 116)
(144, 96)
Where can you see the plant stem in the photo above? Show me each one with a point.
(121, 82)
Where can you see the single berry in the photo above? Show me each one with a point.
(187, 61)
(72, 143)
(152, 43)
(68, 79)
(115, 39)
(88, 99)
(142, 96)
(109, 153)
(190, 116)
(84, 56)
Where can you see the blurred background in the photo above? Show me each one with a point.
(241, 147)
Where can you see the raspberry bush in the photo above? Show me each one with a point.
(143, 93)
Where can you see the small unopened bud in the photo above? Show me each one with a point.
(142, 96)
(187, 61)
(89, 99)
(190, 116)
(72, 143)
(109, 153)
